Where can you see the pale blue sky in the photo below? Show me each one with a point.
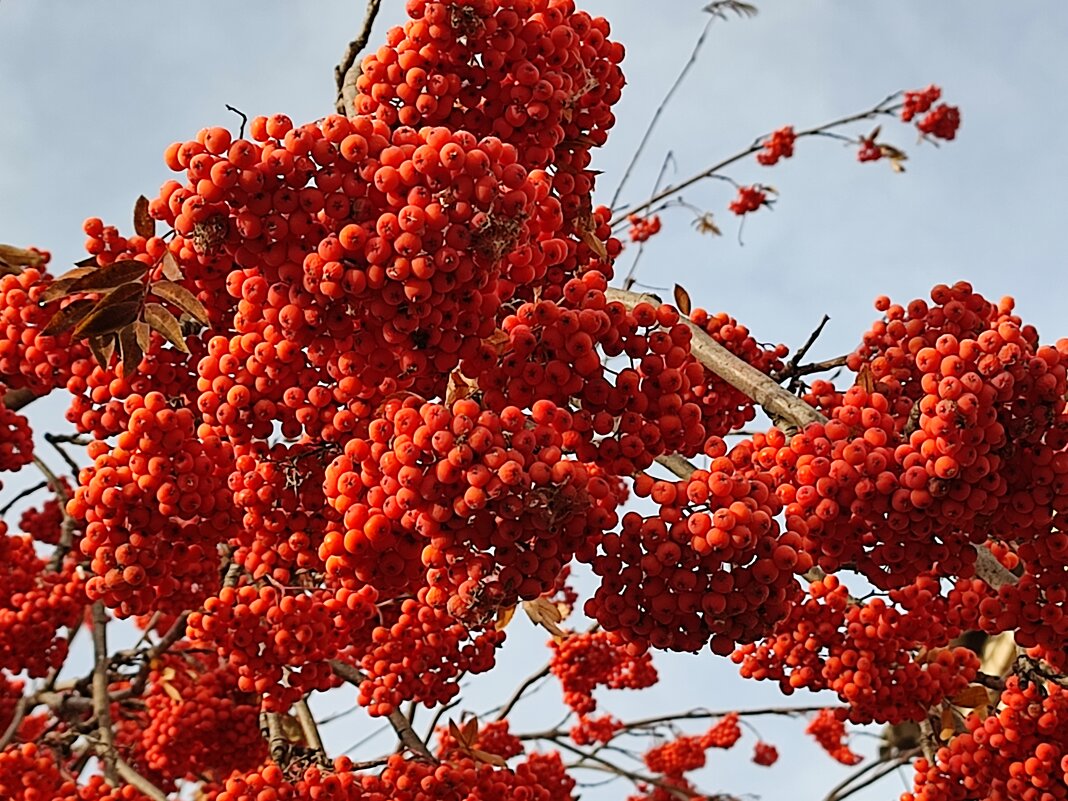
(91, 93)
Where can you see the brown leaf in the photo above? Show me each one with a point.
(88, 261)
(456, 734)
(107, 320)
(291, 728)
(130, 349)
(61, 286)
(102, 348)
(949, 725)
(592, 241)
(143, 332)
(470, 732)
(111, 276)
(682, 300)
(20, 257)
(865, 378)
(498, 340)
(504, 617)
(705, 224)
(163, 321)
(124, 293)
(143, 223)
(68, 317)
(490, 759)
(171, 270)
(543, 612)
(458, 389)
(972, 697)
(182, 298)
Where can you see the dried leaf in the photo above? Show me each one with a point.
(163, 321)
(88, 261)
(948, 724)
(143, 223)
(490, 759)
(705, 224)
(143, 333)
(182, 298)
(458, 389)
(682, 300)
(719, 8)
(456, 734)
(543, 612)
(124, 293)
(593, 243)
(972, 697)
(109, 277)
(103, 348)
(504, 617)
(20, 257)
(61, 286)
(498, 340)
(865, 379)
(171, 691)
(68, 317)
(130, 349)
(107, 319)
(470, 732)
(171, 270)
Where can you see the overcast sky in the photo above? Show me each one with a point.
(92, 92)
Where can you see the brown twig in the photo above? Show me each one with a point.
(25, 493)
(405, 733)
(790, 371)
(137, 683)
(101, 701)
(16, 399)
(68, 526)
(309, 728)
(782, 406)
(883, 108)
(21, 708)
(137, 781)
(840, 791)
(348, 70)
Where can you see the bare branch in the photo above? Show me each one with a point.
(396, 718)
(25, 493)
(660, 109)
(101, 701)
(346, 72)
(307, 725)
(15, 399)
(21, 708)
(852, 783)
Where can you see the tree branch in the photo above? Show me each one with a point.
(348, 70)
(15, 399)
(409, 739)
(101, 701)
(307, 725)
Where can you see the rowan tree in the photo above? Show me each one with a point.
(353, 393)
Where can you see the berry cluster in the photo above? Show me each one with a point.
(641, 228)
(828, 728)
(583, 662)
(749, 199)
(779, 145)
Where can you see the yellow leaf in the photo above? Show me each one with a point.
(171, 691)
(504, 617)
(543, 612)
(490, 759)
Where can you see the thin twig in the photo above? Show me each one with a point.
(840, 791)
(346, 72)
(244, 119)
(660, 109)
(884, 108)
(527, 683)
(396, 718)
(791, 366)
(137, 781)
(26, 492)
(137, 683)
(55, 441)
(21, 708)
(69, 524)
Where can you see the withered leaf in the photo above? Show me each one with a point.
(291, 728)
(458, 389)
(107, 320)
(543, 612)
(458, 734)
(182, 298)
(865, 379)
(102, 348)
(171, 270)
(948, 725)
(20, 257)
(504, 617)
(490, 759)
(972, 697)
(172, 691)
(61, 286)
(593, 243)
(68, 317)
(163, 321)
(88, 261)
(130, 349)
(109, 277)
(124, 293)
(143, 223)
(470, 732)
(682, 300)
(144, 335)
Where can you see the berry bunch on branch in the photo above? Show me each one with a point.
(352, 391)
